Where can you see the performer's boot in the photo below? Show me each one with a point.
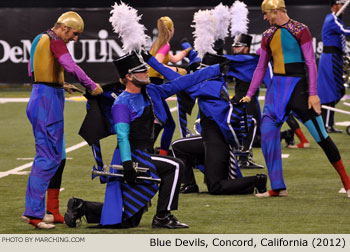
(163, 152)
(261, 180)
(52, 207)
(38, 223)
(331, 129)
(167, 220)
(75, 210)
(304, 143)
(339, 166)
(246, 162)
(288, 136)
(189, 188)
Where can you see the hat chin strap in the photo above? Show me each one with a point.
(139, 80)
(240, 50)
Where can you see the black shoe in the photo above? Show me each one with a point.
(189, 189)
(250, 164)
(243, 161)
(333, 130)
(261, 183)
(168, 221)
(75, 210)
(289, 138)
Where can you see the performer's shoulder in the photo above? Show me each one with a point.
(330, 16)
(52, 35)
(268, 34)
(296, 26)
(123, 98)
(42, 37)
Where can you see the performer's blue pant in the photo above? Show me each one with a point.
(286, 94)
(45, 112)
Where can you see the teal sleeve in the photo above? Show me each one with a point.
(122, 130)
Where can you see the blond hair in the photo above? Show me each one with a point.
(165, 27)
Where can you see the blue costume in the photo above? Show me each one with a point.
(133, 121)
(290, 47)
(242, 68)
(207, 92)
(330, 83)
(185, 102)
(330, 73)
(226, 129)
(49, 58)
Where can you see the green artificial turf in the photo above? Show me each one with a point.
(313, 206)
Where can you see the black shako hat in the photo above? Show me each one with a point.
(130, 63)
(242, 40)
(332, 2)
(212, 59)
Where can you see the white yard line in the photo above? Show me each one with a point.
(72, 98)
(24, 158)
(31, 158)
(346, 123)
(6, 100)
(75, 147)
(17, 170)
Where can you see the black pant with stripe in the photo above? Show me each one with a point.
(168, 169)
(214, 151)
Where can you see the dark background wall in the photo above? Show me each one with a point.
(141, 3)
(21, 21)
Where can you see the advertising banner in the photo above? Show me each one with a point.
(98, 45)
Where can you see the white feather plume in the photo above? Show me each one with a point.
(222, 15)
(125, 22)
(239, 18)
(204, 32)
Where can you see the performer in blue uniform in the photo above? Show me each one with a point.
(330, 83)
(289, 44)
(185, 102)
(49, 58)
(221, 134)
(242, 77)
(133, 114)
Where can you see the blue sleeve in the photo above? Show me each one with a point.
(163, 70)
(192, 55)
(338, 25)
(242, 66)
(123, 130)
(172, 87)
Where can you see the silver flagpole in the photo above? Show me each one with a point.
(342, 8)
(336, 110)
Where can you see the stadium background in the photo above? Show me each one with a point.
(21, 21)
(314, 205)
